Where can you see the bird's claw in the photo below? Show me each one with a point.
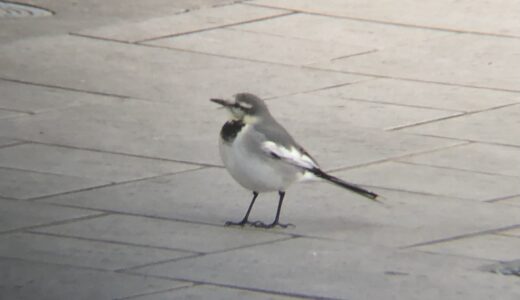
(241, 223)
(258, 224)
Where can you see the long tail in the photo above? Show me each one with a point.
(354, 188)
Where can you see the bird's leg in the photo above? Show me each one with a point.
(277, 218)
(244, 220)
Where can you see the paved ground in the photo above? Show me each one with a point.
(111, 186)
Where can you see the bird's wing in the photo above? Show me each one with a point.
(292, 155)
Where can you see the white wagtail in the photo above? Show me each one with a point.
(263, 157)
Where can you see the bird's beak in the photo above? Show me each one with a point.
(222, 102)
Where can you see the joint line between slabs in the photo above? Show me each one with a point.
(463, 236)
(188, 285)
(398, 104)
(397, 158)
(57, 264)
(196, 255)
(287, 13)
(382, 76)
(69, 89)
(464, 140)
(15, 143)
(124, 154)
(250, 289)
(455, 169)
(54, 223)
(131, 270)
(502, 198)
(327, 87)
(463, 114)
(432, 28)
(80, 238)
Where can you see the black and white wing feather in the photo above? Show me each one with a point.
(298, 157)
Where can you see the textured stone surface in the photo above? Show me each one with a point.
(82, 253)
(203, 19)
(29, 280)
(461, 59)
(82, 163)
(212, 292)
(437, 181)
(422, 94)
(493, 126)
(493, 247)
(20, 214)
(20, 184)
(110, 185)
(342, 270)
(35, 99)
(183, 78)
(466, 15)
(259, 46)
(346, 113)
(162, 233)
(340, 31)
(476, 157)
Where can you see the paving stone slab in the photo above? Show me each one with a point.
(35, 99)
(20, 214)
(73, 17)
(404, 219)
(473, 16)
(29, 280)
(342, 31)
(342, 270)
(83, 163)
(477, 157)
(261, 47)
(179, 196)
(317, 209)
(130, 127)
(346, 113)
(21, 184)
(489, 246)
(181, 23)
(158, 74)
(422, 94)
(460, 59)
(206, 291)
(162, 233)
(81, 253)
(436, 180)
(493, 126)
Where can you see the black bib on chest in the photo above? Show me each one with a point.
(231, 129)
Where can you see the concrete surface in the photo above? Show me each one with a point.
(111, 186)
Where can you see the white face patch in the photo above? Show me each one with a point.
(245, 105)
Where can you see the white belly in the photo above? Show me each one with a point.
(254, 170)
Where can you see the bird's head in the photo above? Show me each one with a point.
(246, 107)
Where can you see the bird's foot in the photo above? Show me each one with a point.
(241, 223)
(260, 224)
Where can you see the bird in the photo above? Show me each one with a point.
(262, 156)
